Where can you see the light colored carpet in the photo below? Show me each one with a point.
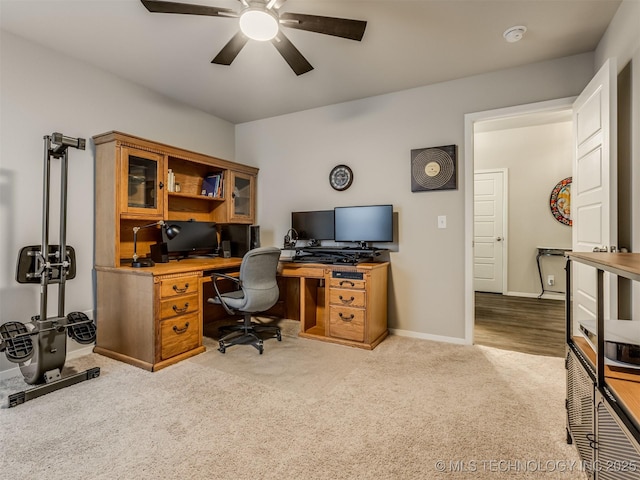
(303, 409)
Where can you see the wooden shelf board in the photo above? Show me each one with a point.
(627, 374)
(195, 197)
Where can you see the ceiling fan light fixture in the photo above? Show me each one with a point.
(259, 24)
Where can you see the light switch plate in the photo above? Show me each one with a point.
(442, 221)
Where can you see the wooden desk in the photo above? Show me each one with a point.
(339, 304)
(152, 317)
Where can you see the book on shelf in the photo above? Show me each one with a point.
(212, 185)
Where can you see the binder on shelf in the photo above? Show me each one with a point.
(212, 185)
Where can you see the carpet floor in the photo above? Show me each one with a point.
(410, 409)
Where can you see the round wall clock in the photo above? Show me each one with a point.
(341, 177)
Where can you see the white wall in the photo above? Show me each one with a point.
(537, 158)
(375, 136)
(42, 92)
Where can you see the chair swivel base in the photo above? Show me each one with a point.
(246, 335)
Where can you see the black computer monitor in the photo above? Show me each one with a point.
(195, 238)
(371, 223)
(316, 225)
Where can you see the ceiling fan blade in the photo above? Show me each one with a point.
(160, 6)
(291, 54)
(338, 27)
(231, 50)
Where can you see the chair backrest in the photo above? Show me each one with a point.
(258, 276)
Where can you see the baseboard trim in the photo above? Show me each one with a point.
(548, 295)
(428, 336)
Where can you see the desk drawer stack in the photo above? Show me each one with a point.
(347, 301)
(150, 317)
(179, 314)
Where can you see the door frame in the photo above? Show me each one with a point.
(469, 121)
(505, 220)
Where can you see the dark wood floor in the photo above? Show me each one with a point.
(520, 324)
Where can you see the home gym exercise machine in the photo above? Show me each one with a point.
(40, 346)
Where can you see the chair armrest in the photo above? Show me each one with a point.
(217, 276)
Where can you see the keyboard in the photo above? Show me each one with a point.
(315, 259)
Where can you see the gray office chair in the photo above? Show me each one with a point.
(257, 292)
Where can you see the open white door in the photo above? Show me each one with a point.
(488, 227)
(594, 189)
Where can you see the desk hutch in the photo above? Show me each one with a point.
(152, 317)
(603, 401)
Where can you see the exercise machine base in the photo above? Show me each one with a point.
(21, 397)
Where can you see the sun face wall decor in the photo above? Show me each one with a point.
(560, 201)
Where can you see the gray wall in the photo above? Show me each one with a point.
(43, 92)
(375, 136)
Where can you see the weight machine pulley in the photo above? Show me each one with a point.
(40, 346)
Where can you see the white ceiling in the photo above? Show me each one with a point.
(408, 43)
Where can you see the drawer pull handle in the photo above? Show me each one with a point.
(181, 330)
(181, 310)
(345, 318)
(181, 290)
(348, 282)
(346, 301)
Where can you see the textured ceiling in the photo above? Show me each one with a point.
(408, 43)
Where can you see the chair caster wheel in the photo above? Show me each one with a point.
(260, 347)
(221, 348)
(279, 335)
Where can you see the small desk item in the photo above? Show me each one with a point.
(548, 252)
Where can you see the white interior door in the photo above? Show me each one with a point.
(594, 189)
(488, 231)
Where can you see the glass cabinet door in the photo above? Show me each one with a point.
(142, 183)
(242, 197)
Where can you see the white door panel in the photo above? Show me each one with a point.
(594, 189)
(488, 233)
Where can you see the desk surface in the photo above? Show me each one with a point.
(181, 266)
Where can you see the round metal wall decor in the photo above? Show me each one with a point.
(433, 169)
(560, 201)
(341, 177)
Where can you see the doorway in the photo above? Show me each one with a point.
(489, 224)
(494, 143)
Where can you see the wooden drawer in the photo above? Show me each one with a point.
(179, 335)
(178, 286)
(347, 323)
(179, 306)
(347, 298)
(347, 283)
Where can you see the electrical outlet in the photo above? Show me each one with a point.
(551, 280)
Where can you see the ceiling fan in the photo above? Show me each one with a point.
(261, 20)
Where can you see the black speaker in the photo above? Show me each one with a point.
(226, 249)
(238, 236)
(255, 236)
(160, 253)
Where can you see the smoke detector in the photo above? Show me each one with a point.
(514, 34)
